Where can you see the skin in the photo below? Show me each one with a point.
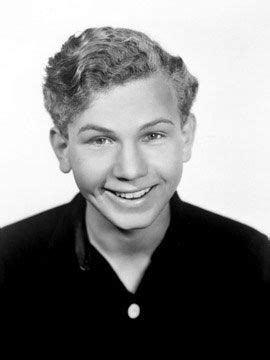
(127, 159)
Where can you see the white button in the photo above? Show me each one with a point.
(133, 311)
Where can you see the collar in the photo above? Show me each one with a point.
(70, 246)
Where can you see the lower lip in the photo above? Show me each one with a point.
(127, 202)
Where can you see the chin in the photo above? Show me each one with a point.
(132, 224)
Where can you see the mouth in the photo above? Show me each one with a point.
(131, 196)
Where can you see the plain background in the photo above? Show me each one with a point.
(226, 44)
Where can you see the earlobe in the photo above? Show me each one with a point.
(188, 133)
(60, 147)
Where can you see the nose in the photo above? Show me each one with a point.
(130, 163)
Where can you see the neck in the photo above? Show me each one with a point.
(115, 242)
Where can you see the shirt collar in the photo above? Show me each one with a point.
(70, 245)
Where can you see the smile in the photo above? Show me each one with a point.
(132, 195)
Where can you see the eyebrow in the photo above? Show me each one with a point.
(111, 132)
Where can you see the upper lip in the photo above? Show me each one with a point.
(130, 191)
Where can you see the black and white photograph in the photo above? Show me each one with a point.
(134, 163)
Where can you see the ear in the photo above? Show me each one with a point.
(60, 145)
(188, 133)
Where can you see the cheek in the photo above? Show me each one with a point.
(89, 173)
(172, 172)
(169, 162)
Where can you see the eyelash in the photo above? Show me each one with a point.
(157, 134)
(94, 140)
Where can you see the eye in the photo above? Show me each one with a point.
(154, 136)
(100, 141)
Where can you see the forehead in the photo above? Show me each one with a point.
(136, 101)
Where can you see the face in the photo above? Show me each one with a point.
(127, 150)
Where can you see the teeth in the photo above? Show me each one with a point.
(134, 195)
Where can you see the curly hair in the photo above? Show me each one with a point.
(100, 58)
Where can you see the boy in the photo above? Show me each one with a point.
(127, 247)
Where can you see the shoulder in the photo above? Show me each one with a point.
(27, 242)
(235, 250)
(220, 238)
(217, 224)
(35, 226)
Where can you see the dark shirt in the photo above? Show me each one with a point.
(207, 270)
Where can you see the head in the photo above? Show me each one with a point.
(121, 109)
